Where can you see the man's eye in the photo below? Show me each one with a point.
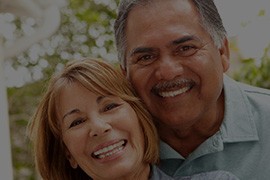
(77, 122)
(186, 50)
(145, 59)
(110, 107)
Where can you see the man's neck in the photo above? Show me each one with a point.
(187, 144)
(186, 139)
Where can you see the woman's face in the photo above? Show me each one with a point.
(102, 133)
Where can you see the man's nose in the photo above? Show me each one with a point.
(168, 68)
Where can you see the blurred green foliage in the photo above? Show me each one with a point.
(255, 72)
(22, 102)
(86, 30)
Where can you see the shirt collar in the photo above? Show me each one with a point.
(238, 124)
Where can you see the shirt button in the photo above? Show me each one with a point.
(215, 143)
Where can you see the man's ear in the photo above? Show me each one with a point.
(224, 51)
(73, 163)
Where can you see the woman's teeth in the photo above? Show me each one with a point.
(109, 150)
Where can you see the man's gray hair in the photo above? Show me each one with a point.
(210, 20)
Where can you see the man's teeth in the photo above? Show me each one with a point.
(173, 93)
(109, 150)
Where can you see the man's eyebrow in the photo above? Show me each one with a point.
(71, 112)
(173, 43)
(184, 39)
(141, 50)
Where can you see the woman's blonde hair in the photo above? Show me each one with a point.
(44, 128)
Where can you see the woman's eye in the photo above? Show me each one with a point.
(77, 122)
(110, 106)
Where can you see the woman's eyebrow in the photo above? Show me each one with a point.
(100, 98)
(71, 112)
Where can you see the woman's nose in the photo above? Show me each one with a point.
(99, 127)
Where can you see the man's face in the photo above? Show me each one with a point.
(173, 63)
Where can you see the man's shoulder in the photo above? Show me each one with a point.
(256, 96)
(254, 89)
(211, 175)
(253, 93)
(157, 174)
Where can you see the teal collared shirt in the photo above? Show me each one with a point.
(157, 174)
(241, 146)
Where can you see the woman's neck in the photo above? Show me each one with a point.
(142, 173)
